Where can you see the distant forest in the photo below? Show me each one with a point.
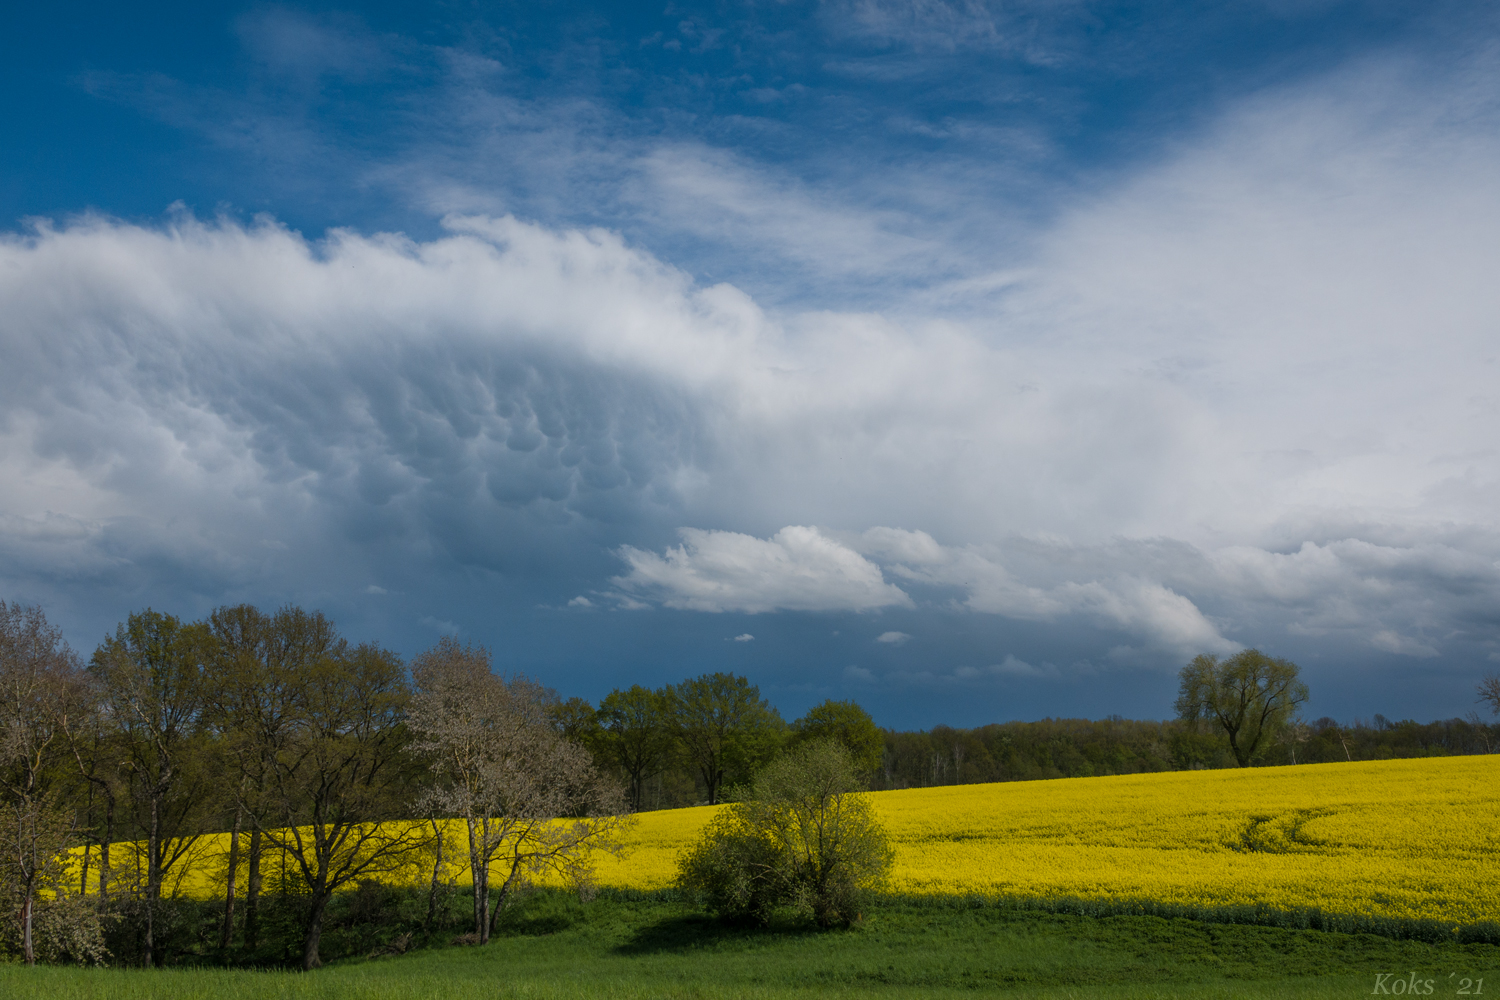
(1075, 748)
(1080, 748)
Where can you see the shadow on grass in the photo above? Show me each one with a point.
(535, 925)
(696, 931)
(538, 914)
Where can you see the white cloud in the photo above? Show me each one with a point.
(1247, 394)
(1148, 608)
(444, 627)
(899, 545)
(710, 193)
(744, 637)
(1393, 642)
(580, 602)
(858, 674)
(801, 568)
(797, 569)
(1012, 666)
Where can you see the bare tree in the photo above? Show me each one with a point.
(531, 801)
(41, 683)
(1488, 690)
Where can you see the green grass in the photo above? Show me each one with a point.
(553, 946)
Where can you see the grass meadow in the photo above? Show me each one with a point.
(649, 945)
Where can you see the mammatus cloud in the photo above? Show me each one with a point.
(226, 405)
(797, 569)
(1245, 396)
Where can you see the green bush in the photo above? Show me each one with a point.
(804, 840)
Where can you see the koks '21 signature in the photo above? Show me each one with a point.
(1389, 984)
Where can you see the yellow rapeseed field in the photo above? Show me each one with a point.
(1405, 839)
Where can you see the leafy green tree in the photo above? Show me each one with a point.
(635, 735)
(806, 839)
(1250, 696)
(151, 677)
(725, 728)
(95, 745)
(255, 662)
(848, 724)
(342, 767)
(258, 662)
(575, 721)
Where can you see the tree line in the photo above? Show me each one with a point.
(292, 764)
(329, 765)
(1240, 711)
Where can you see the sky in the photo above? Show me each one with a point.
(975, 361)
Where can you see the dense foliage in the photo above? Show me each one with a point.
(1080, 748)
(804, 839)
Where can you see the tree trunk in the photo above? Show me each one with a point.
(109, 832)
(252, 891)
(27, 951)
(483, 895)
(1234, 746)
(637, 788)
(515, 869)
(437, 869)
(83, 872)
(153, 882)
(234, 862)
(310, 959)
(148, 937)
(476, 877)
(479, 871)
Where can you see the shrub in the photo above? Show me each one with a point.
(805, 839)
(69, 930)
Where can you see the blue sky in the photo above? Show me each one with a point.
(975, 361)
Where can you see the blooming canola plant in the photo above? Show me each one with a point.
(1410, 839)
(1404, 839)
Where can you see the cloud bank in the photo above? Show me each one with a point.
(1244, 396)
